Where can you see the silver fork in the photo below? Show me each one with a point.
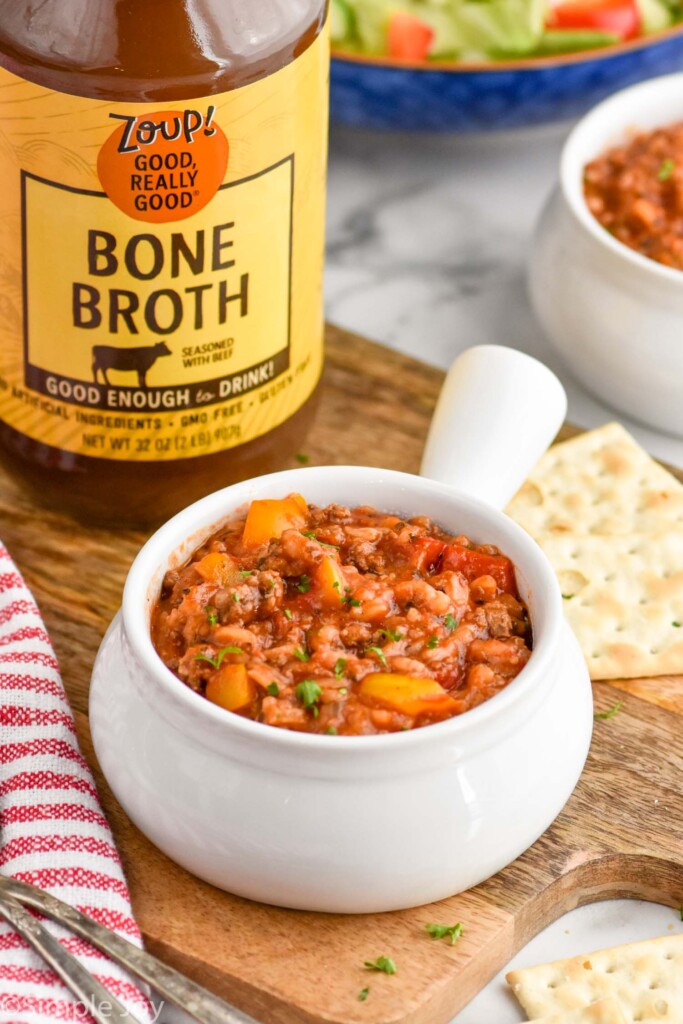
(170, 984)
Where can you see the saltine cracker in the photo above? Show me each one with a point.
(645, 978)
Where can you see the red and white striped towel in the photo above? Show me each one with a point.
(53, 833)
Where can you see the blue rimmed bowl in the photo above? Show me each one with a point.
(376, 92)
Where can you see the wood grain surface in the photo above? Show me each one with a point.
(621, 834)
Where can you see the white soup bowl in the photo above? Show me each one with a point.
(370, 823)
(614, 315)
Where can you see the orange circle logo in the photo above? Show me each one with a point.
(164, 166)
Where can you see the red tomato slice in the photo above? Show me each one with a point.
(409, 38)
(426, 552)
(473, 564)
(620, 17)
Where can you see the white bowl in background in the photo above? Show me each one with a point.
(369, 823)
(614, 316)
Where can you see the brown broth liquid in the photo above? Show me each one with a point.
(141, 50)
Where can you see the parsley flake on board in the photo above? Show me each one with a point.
(676, 624)
(445, 931)
(450, 622)
(666, 169)
(363, 994)
(384, 964)
(308, 692)
(380, 654)
(304, 584)
(216, 662)
(567, 597)
(612, 711)
(301, 655)
(273, 689)
(340, 668)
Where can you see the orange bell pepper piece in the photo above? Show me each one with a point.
(218, 568)
(268, 518)
(231, 688)
(330, 583)
(408, 694)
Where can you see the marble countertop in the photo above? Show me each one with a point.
(428, 241)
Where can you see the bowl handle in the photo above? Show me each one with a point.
(498, 411)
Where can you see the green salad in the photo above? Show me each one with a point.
(475, 30)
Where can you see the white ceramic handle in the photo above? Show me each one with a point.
(498, 411)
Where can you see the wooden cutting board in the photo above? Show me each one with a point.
(621, 834)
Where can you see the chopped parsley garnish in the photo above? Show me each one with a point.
(304, 584)
(301, 654)
(216, 662)
(380, 654)
(348, 599)
(676, 624)
(212, 615)
(612, 711)
(666, 169)
(445, 931)
(363, 994)
(336, 584)
(567, 597)
(235, 597)
(433, 642)
(245, 573)
(391, 634)
(343, 690)
(312, 536)
(302, 458)
(450, 623)
(273, 689)
(383, 963)
(340, 668)
(308, 692)
(331, 731)
(287, 613)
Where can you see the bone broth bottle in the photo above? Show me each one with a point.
(162, 182)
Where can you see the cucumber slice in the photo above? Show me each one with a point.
(342, 22)
(656, 15)
(556, 41)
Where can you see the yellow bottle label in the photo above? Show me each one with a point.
(161, 265)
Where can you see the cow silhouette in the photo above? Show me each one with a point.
(139, 360)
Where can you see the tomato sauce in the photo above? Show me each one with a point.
(342, 621)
